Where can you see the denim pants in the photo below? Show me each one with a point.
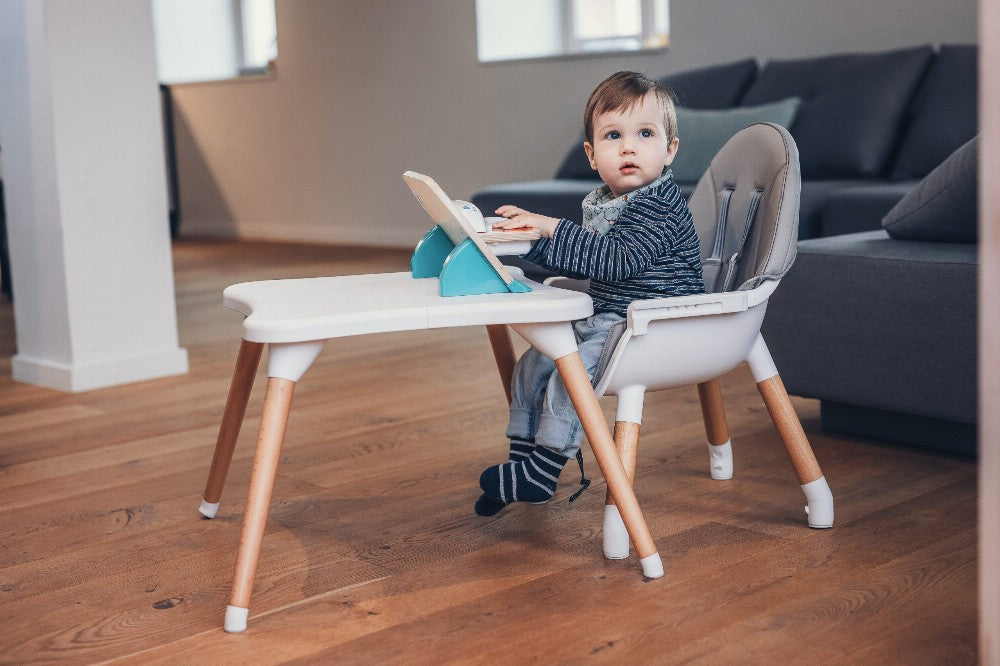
(540, 407)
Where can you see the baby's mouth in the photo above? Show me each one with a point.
(629, 167)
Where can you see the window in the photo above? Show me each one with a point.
(208, 40)
(521, 29)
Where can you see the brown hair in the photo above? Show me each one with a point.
(622, 91)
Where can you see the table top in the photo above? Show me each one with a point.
(304, 309)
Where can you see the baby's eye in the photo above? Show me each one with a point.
(614, 135)
(646, 133)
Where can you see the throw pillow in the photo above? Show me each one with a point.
(704, 132)
(943, 206)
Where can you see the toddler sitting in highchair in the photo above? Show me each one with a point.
(637, 241)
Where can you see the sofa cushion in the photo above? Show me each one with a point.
(715, 87)
(943, 114)
(704, 131)
(861, 208)
(814, 196)
(943, 206)
(852, 107)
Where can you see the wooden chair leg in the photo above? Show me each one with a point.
(581, 393)
(720, 448)
(615, 537)
(277, 404)
(820, 499)
(503, 352)
(232, 419)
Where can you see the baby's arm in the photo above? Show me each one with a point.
(518, 218)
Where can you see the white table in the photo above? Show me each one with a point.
(296, 317)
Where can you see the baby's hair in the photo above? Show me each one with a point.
(622, 91)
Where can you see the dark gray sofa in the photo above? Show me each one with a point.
(869, 126)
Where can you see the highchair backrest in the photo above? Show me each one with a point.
(746, 207)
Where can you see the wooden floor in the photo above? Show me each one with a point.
(373, 553)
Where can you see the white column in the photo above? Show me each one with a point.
(82, 147)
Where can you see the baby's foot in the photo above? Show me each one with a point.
(532, 479)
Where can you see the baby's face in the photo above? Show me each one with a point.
(630, 147)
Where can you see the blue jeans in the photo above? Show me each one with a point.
(540, 407)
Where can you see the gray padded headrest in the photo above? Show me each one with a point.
(752, 188)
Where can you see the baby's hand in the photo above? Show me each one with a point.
(518, 218)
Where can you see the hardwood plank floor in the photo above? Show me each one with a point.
(373, 554)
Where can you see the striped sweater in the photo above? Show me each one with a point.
(651, 251)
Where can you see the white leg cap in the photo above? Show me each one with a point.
(208, 509)
(616, 541)
(720, 460)
(236, 619)
(820, 503)
(652, 566)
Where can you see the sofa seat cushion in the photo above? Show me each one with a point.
(944, 205)
(861, 208)
(852, 107)
(944, 113)
(867, 320)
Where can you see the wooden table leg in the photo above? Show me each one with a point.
(503, 352)
(277, 404)
(232, 419)
(589, 410)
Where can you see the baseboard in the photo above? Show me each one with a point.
(85, 377)
(922, 431)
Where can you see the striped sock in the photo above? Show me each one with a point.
(532, 479)
(520, 449)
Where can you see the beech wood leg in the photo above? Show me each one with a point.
(277, 404)
(790, 428)
(232, 419)
(713, 412)
(503, 352)
(589, 410)
(819, 498)
(615, 538)
(627, 445)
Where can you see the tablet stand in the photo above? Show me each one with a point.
(462, 269)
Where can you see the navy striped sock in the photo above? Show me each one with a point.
(520, 449)
(532, 479)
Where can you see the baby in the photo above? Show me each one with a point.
(637, 241)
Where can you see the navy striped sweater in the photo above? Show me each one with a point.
(651, 251)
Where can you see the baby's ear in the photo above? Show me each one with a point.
(672, 149)
(589, 149)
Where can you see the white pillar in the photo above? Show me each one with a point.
(82, 147)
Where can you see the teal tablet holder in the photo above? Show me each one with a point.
(461, 269)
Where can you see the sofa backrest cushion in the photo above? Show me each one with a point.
(715, 87)
(704, 131)
(943, 113)
(852, 107)
(943, 206)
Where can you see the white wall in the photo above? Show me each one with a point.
(367, 89)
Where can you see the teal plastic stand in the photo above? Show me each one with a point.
(461, 269)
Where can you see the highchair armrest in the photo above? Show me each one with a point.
(640, 313)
